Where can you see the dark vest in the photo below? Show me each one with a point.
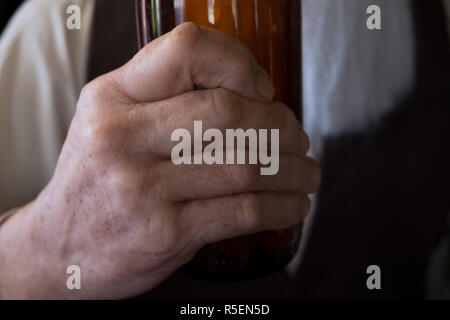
(385, 193)
(114, 39)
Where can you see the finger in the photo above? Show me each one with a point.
(244, 214)
(216, 109)
(187, 183)
(192, 56)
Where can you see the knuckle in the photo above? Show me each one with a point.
(186, 35)
(99, 127)
(246, 65)
(296, 209)
(88, 92)
(104, 131)
(245, 176)
(305, 142)
(227, 107)
(289, 122)
(165, 233)
(251, 216)
(160, 189)
(92, 95)
(125, 182)
(288, 117)
(315, 175)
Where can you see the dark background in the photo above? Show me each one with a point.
(7, 8)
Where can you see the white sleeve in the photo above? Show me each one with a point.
(42, 71)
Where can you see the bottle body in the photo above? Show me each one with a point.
(272, 31)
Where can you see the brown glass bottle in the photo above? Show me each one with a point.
(272, 30)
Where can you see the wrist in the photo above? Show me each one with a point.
(28, 259)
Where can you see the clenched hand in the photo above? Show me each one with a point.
(120, 209)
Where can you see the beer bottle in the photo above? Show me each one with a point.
(272, 31)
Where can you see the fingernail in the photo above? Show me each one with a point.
(264, 86)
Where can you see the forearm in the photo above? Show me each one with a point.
(30, 268)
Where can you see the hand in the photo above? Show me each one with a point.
(120, 209)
